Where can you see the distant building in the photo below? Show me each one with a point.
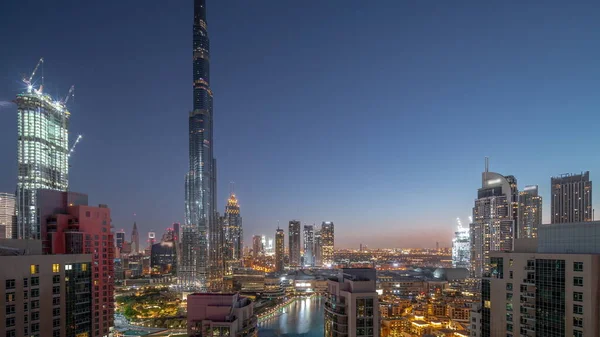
(7, 213)
(571, 198)
(257, 246)
(163, 258)
(309, 243)
(44, 295)
(530, 212)
(461, 247)
(135, 240)
(494, 219)
(279, 249)
(294, 242)
(210, 314)
(318, 248)
(327, 243)
(352, 305)
(232, 235)
(547, 286)
(151, 239)
(120, 239)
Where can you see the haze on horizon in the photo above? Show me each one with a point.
(376, 116)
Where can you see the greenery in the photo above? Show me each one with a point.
(150, 303)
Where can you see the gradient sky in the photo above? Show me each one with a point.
(376, 115)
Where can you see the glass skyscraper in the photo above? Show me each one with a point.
(201, 230)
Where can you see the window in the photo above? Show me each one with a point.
(84, 267)
(56, 333)
(10, 297)
(25, 294)
(35, 293)
(577, 266)
(577, 333)
(509, 286)
(509, 296)
(56, 279)
(10, 309)
(11, 333)
(510, 262)
(578, 309)
(25, 306)
(56, 312)
(68, 267)
(10, 321)
(56, 268)
(35, 316)
(578, 297)
(34, 269)
(56, 290)
(35, 304)
(10, 284)
(510, 274)
(35, 327)
(55, 300)
(25, 282)
(35, 281)
(578, 281)
(578, 322)
(56, 322)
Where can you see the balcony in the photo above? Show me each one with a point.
(335, 311)
(528, 281)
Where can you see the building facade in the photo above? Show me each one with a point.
(352, 305)
(135, 240)
(44, 295)
(7, 213)
(318, 249)
(257, 246)
(461, 247)
(232, 235)
(201, 222)
(494, 219)
(327, 243)
(119, 239)
(309, 245)
(294, 236)
(571, 198)
(163, 258)
(530, 212)
(211, 314)
(279, 250)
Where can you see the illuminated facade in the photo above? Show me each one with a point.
(7, 212)
(294, 242)
(494, 219)
(571, 198)
(461, 247)
(200, 247)
(318, 248)
(309, 244)
(42, 155)
(279, 249)
(530, 212)
(327, 243)
(232, 235)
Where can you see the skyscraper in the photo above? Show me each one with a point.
(232, 235)
(571, 198)
(318, 248)
(279, 249)
(461, 247)
(135, 240)
(7, 212)
(327, 243)
(494, 219)
(294, 244)
(530, 212)
(309, 242)
(201, 229)
(42, 155)
(120, 239)
(257, 246)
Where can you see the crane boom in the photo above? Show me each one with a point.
(28, 80)
(71, 93)
(74, 144)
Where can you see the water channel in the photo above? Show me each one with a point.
(303, 318)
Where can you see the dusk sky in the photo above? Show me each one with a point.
(376, 115)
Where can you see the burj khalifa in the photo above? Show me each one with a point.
(199, 262)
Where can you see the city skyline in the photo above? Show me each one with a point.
(424, 98)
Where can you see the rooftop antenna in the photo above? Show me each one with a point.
(231, 188)
(487, 167)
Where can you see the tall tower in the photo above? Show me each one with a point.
(530, 212)
(309, 244)
(201, 229)
(7, 212)
(571, 198)
(327, 243)
(318, 249)
(232, 235)
(135, 240)
(461, 247)
(294, 244)
(279, 249)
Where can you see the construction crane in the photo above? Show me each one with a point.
(28, 80)
(74, 144)
(71, 93)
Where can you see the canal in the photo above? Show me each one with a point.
(303, 318)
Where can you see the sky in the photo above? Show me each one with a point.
(376, 115)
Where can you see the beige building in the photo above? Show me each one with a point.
(211, 314)
(352, 305)
(43, 295)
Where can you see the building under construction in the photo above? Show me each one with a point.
(42, 151)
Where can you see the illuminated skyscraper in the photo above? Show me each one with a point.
(494, 219)
(202, 229)
(294, 245)
(571, 198)
(135, 240)
(530, 212)
(279, 249)
(318, 248)
(232, 235)
(309, 244)
(7, 213)
(119, 239)
(327, 243)
(461, 247)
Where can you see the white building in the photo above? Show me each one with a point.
(461, 247)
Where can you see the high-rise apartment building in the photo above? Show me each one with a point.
(119, 239)
(461, 247)
(327, 243)
(135, 240)
(202, 228)
(494, 219)
(44, 295)
(229, 315)
(232, 235)
(257, 246)
(530, 212)
(352, 305)
(7, 213)
(42, 155)
(309, 245)
(318, 248)
(547, 286)
(279, 250)
(294, 242)
(571, 198)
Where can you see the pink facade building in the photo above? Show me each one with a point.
(220, 315)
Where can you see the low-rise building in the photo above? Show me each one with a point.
(210, 314)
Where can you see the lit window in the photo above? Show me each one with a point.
(34, 268)
(68, 267)
(55, 268)
(84, 267)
